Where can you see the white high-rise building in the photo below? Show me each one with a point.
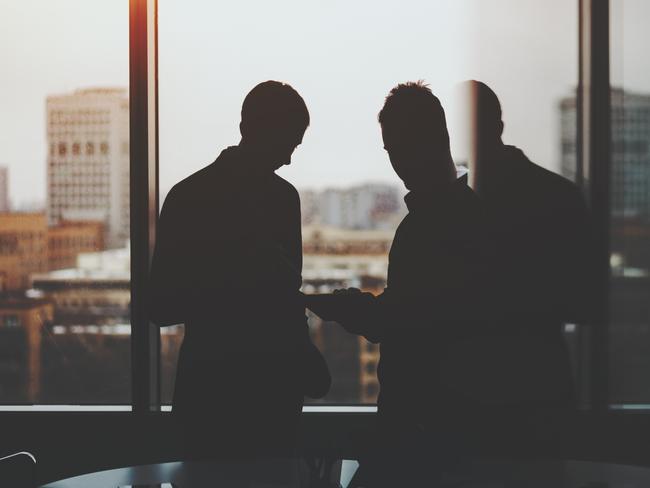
(88, 159)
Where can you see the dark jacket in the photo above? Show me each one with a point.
(437, 263)
(227, 264)
(478, 291)
(545, 263)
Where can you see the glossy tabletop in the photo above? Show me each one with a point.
(294, 473)
(249, 473)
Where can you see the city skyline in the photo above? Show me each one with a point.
(334, 153)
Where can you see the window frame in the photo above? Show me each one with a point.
(593, 156)
(594, 163)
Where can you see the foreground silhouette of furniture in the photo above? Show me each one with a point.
(575, 474)
(242, 472)
(18, 470)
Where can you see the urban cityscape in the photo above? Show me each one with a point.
(65, 268)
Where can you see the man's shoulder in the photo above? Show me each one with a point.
(198, 179)
(549, 192)
(285, 190)
(284, 185)
(195, 185)
(547, 181)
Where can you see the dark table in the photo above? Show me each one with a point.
(250, 473)
(291, 473)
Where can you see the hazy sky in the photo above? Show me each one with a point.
(342, 56)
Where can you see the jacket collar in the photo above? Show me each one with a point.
(436, 196)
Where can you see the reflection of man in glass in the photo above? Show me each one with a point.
(539, 223)
(227, 264)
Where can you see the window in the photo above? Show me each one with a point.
(344, 57)
(11, 321)
(57, 351)
(629, 331)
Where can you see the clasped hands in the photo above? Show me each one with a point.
(350, 307)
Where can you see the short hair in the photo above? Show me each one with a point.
(412, 106)
(273, 104)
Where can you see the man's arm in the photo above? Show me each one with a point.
(376, 317)
(167, 300)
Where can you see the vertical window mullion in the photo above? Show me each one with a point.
(145, 338)
(595, 161)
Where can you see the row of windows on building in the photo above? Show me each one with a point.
(82, 117)
(629, 148)
(14, 243)
(68, 242)
(85, 162)
(68, 183)
(86, 166)
(88, 149)
(23, 251)
(62, 148)
(96, 302)
(62, 193)
(90, 204)
(10, 320)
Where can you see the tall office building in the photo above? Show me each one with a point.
(4, 189)
(630, 174)
(630, 182)
(88, 160)
(629, 329)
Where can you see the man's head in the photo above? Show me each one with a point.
(483, 111)
(414, 130)
(274, 118)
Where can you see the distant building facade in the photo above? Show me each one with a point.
(68, 240)
(86, 355)
(630, 181)
(23, 249)
(22, 324)
(369, 206)
(5, 205)
(96, 292)
(90, 335)
(341, 258)
(29, 246)
(88, 160)
(629, 330)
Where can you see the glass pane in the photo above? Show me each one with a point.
(343, 58)
(64, 198)
(630, 204)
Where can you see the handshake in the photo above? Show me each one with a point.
(353, 309)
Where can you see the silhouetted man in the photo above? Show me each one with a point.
(227, 264)
(437, 262)
(539, 223)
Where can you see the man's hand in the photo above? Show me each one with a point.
(347, 291)
(354, 309)
(358, 312)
